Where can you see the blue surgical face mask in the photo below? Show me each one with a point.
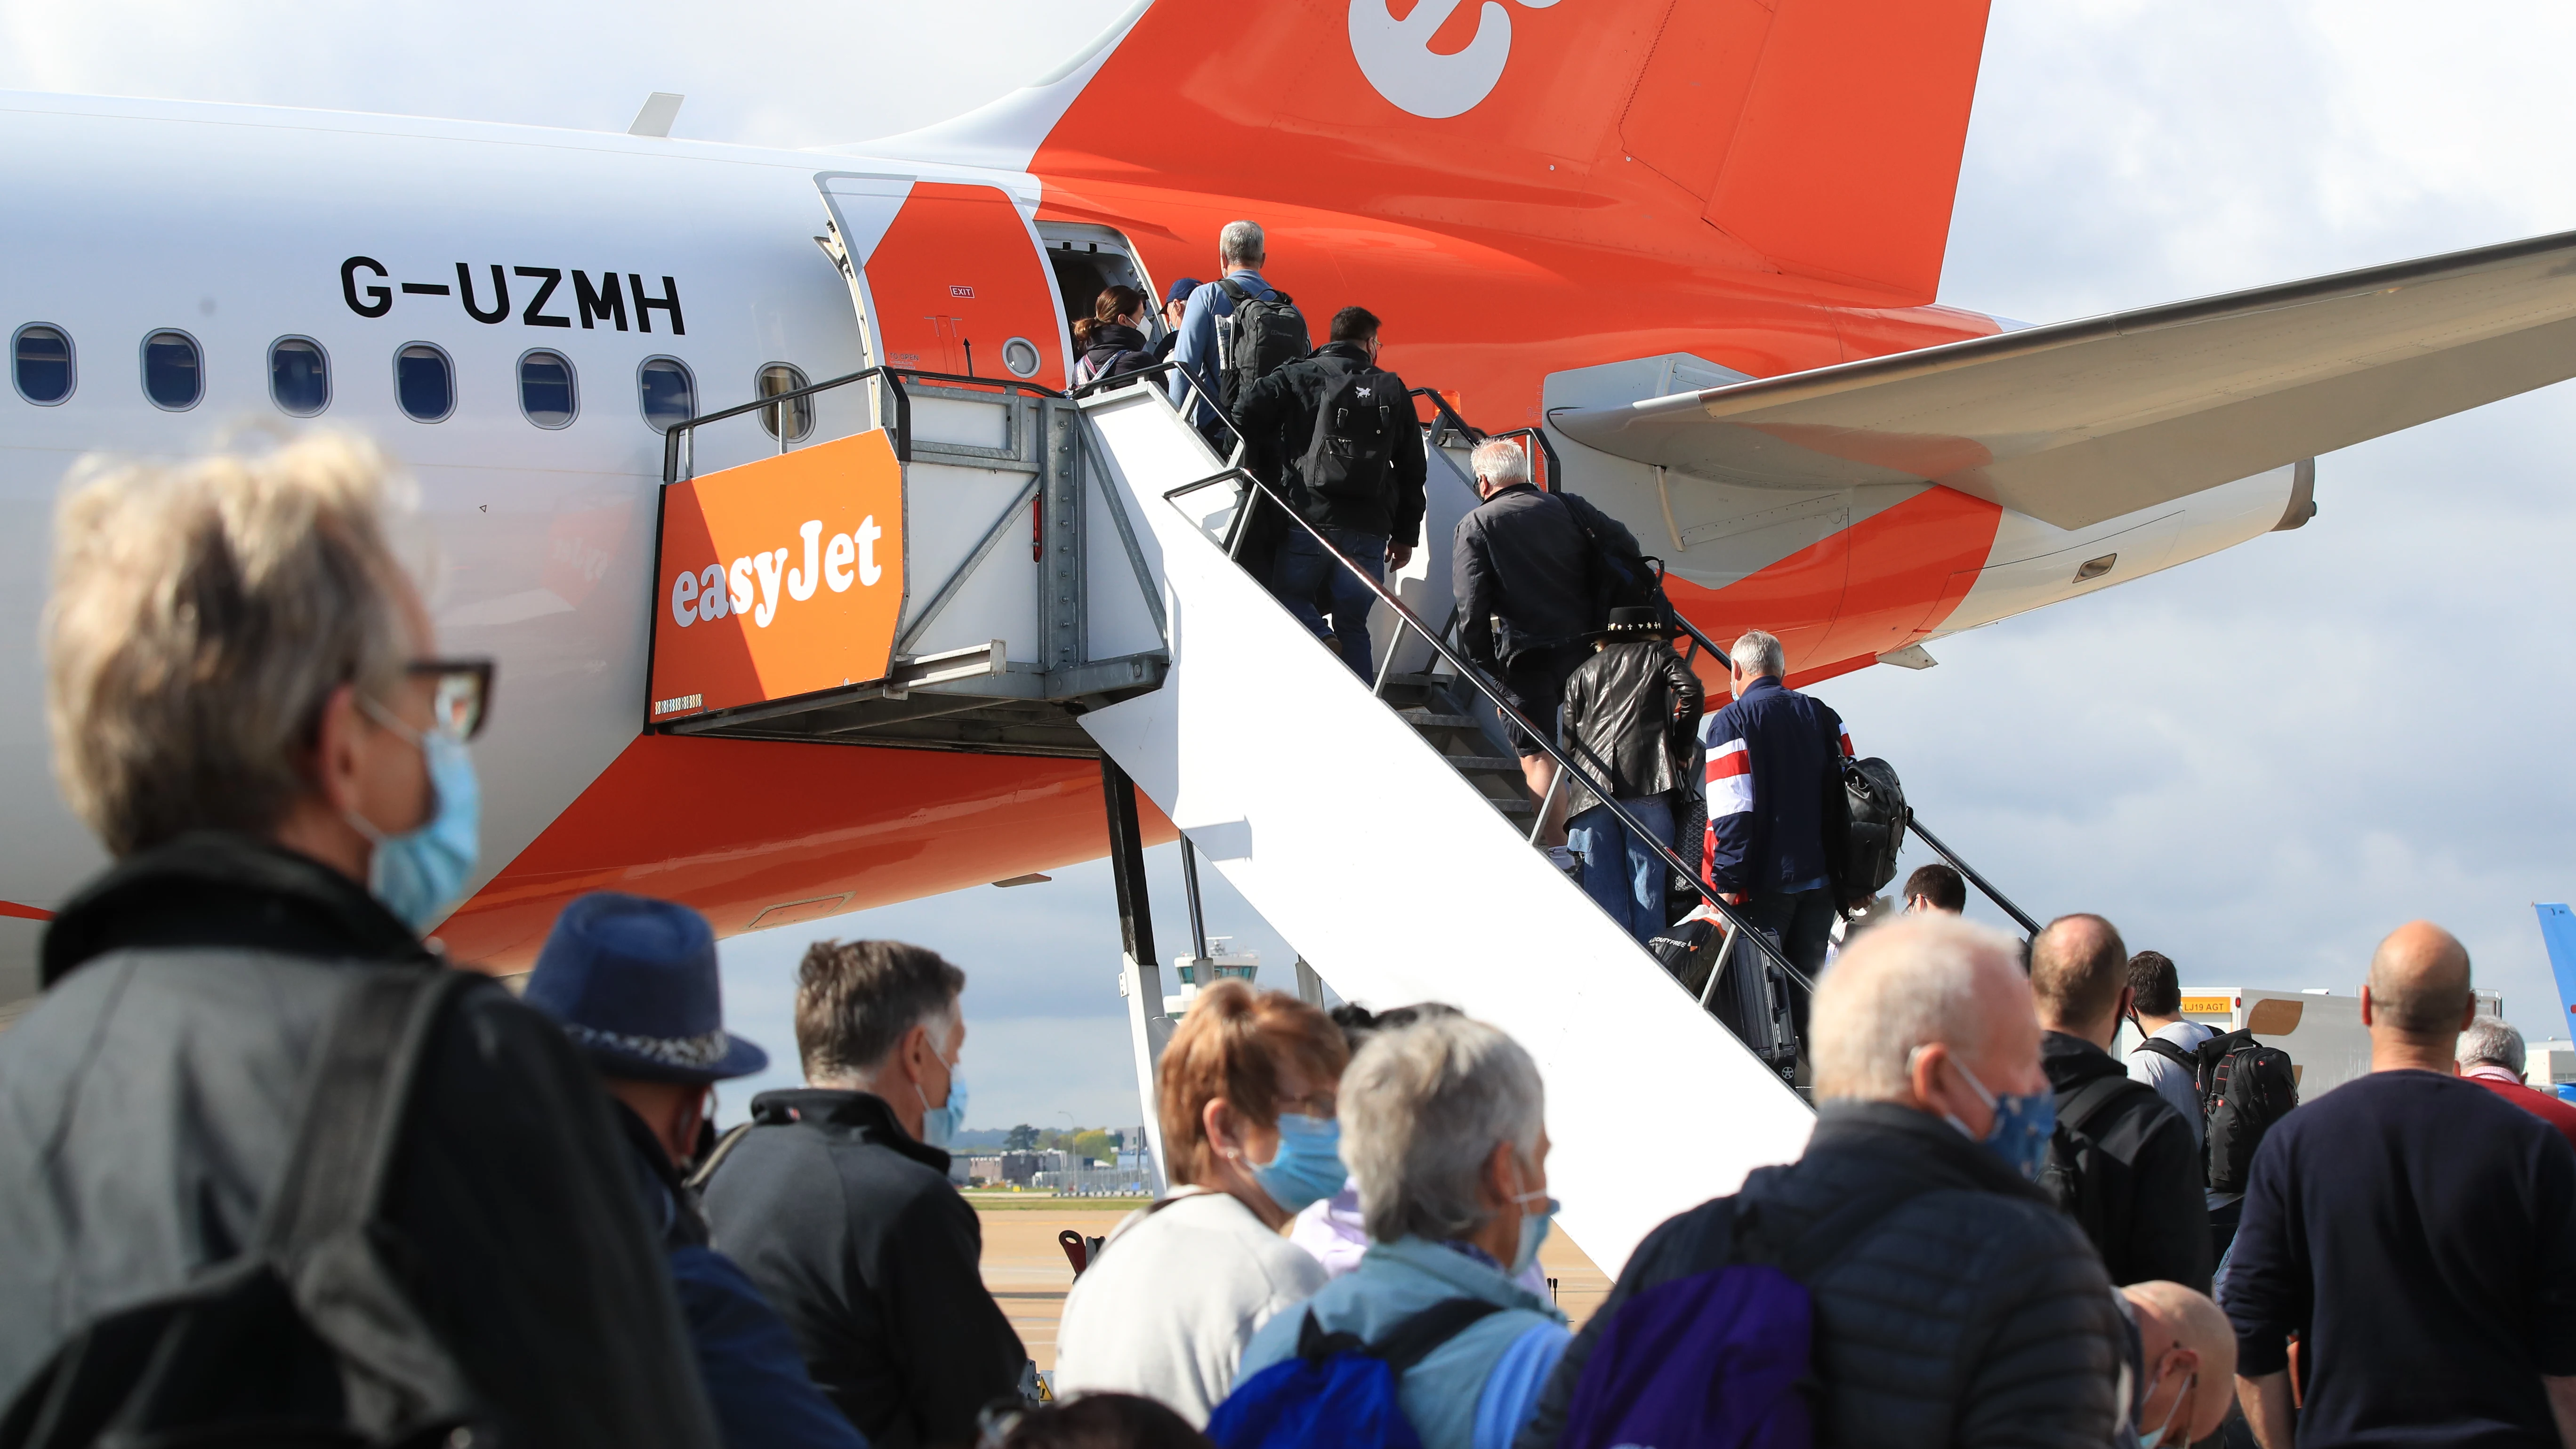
(2023, 1124)
(1534, 1225)
(940, 1124)
(420, 873)
(1307, 1168)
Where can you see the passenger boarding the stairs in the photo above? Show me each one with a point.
(1336, 435)
(1112, 339)
(1521, 569)
(1630, 712)
(1223, 351)
(1772, 758)
(1246, 1093)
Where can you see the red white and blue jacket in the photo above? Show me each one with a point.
(1770, 764)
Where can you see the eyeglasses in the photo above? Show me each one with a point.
(460, 695)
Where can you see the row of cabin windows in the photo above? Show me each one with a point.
(299, 381)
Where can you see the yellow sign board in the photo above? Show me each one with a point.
(2208, 1005)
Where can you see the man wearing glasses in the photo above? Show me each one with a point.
(248, 708)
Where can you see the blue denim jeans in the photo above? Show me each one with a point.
(1304, 571)
(1621, 870)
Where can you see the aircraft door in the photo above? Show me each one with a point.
(947, 277)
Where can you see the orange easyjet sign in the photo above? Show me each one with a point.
(779, 578)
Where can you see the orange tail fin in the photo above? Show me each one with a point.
(1822, 136)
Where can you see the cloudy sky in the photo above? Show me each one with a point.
(2257, 763)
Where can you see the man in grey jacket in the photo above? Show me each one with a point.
(280, 770)
(1970, 1311)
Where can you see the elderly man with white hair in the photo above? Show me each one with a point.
(1443, 1126)
(2492, 1055)
(1521, 569)
(1951, 1302)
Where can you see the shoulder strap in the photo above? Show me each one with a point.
(1413, 1340)
(2088, 1102)
(353, 1108)
(2168, 1051)
(1234, 289)
(705, 1172)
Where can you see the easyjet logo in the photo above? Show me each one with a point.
(1397, 57)
(751, 585)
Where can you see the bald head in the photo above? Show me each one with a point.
(2419, 983)
(1914, 981)
(2182, 1336)
(2078, 968)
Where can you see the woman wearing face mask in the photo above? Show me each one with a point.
(1247, 1097)
(1446, 1134)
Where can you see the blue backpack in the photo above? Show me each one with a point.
(1715, 1355)
(1337, 1390)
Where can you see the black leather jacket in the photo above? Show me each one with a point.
(1630, 710)
(1972, 1314)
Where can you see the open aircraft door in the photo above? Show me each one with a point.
(947, 277)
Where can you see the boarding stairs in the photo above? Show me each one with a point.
(1380, 825)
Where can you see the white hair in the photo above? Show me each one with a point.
(1759, 654)
(1904, 985)
(1241, 241)
(1502, 460)
(1422, 1108)
(2493, 1041)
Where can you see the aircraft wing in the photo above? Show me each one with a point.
(2082, 421)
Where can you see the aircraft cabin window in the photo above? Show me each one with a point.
(299, 376)
(668, 392)
(546, 389)
(43, 364)
(424, 383)
(174, 374)
(779, 377)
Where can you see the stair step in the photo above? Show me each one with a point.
(1512, 807)
(1423, 719)
(1422, 681)
(1497, 764)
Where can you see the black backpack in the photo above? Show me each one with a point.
(2071, 1176)
(1261, 336)
(1355, 436)
(306, 1339)
(1624, 576)
(2244, 1087)
(1865, 820)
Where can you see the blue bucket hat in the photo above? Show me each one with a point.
(633, 982)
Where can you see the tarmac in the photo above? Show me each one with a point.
(1027, 1274)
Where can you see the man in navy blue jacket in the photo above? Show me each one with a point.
(2418, 1234)
(1771, 755)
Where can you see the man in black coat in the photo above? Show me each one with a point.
(253, 761)
(836, 1201)
(1521, 569)
(1953, 1304)
(1369, 508)
(2128, 1167)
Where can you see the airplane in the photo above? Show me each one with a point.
(1694, 245)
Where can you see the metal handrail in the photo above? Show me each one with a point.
(1493, 693)
(1912, 821)
(1171, 367)
(902, 429)
(1448, 416)
(1555, 468)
